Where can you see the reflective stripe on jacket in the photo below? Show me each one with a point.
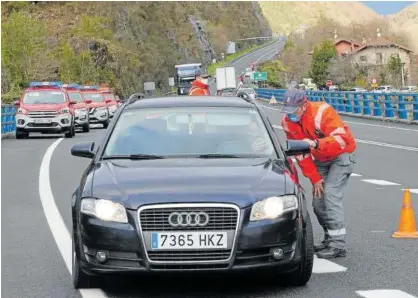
(198, 89)
(320, 122)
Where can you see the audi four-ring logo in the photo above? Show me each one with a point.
(188, 219)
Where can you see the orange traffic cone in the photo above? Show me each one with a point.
(407, 226)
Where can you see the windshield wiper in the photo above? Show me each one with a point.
(215, 155)
(134, 156)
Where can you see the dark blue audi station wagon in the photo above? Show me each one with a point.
(196, 184)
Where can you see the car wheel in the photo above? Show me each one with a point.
(302, 275)
(21, 135)
(86, 127)
(71, 132)
(106, 124)
(81, 280)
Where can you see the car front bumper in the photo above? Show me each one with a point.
(251, 250)
(58, 124)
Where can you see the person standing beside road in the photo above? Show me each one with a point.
(200, 86)
(328, 166)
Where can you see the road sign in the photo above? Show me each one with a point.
(329, 83)
(171, 81)
(260, 76)
(149, 86)
(374, 81)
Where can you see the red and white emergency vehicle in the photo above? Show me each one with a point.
(98, 109)
(80, 108)
(45, 107)
(113, 104)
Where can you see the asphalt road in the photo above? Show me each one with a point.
(35, 235)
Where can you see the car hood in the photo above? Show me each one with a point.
(96, 104)
(239, 181)
(44, 107)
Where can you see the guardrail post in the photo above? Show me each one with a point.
(348, 104)
(377, 110)
(366, 107)
(357, 106)
(415, 107)
(402, 112)
(8, 118)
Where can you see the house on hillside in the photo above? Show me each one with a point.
(375, 54)
(344, 47)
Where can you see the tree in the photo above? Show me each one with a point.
(322, 54)
(23, 41)
(394, 68)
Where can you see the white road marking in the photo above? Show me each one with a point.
(359, 123)
(384, 294)
(380, 182)
(355, 175)
(59, 231)
(325, 266)
(382, 126)
(375, 143)
(387, 145)
(413, 190)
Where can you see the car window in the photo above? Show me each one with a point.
(191, 132)
(75, 96)
(93, 96)
(109, 96)
(44, 97)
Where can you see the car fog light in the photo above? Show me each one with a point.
(101, 256)
(277, 253)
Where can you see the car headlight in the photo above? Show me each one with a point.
(81, 111)
(104, 210)
(65, 111)
(273, 207)
(21, 111)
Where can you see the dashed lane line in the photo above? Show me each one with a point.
(56, 223)
(326, 266)
(373, 143)
(380, 182)
(384, 294)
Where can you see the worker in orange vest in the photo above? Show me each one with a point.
(200, 85)
(328, 166)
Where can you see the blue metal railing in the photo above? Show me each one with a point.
(8, 123)
(402, 106)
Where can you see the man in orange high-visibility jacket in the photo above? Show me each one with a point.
(200, 85)
(329, 165)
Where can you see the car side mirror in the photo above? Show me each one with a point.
(108, 101)
(16, 103)
(297, 147)
(88, 101)
(83, 150)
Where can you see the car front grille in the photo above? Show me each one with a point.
(43, 114)
(188, 256)
(220, 218)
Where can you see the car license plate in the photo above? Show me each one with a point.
(42, 120)
(189, 240)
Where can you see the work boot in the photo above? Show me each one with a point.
(321, 246)
(331, 252)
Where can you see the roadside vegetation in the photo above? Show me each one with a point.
(123, 44)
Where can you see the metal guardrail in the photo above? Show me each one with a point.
(8, 123)
(396, 106)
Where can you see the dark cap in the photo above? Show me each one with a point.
(201, 73)
(292, 99)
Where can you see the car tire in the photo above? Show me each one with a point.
(21, 135)
(86, 127)
(105, 124)
(303, 273)
(71, 132)
(80, 279)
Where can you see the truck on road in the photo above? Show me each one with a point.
(185, 75)
(226, 81)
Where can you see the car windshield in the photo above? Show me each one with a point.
(187, 70)
(44, 97)
(249, 91)
(93, 96)
(191, 132)
(109, 96)
(75, 96)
